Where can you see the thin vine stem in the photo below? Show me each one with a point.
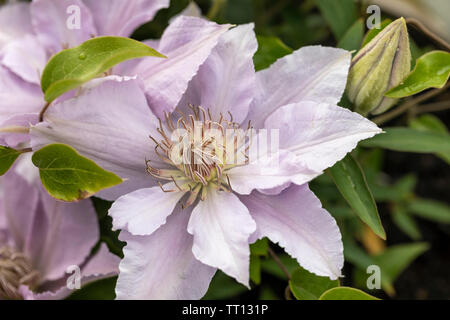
(419, 25)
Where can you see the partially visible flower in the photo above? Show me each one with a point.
(380, 65)
(209, 210)
(40, 238)
(30, 33)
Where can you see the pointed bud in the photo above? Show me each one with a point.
(380, 65)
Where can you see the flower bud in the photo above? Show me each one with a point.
(380, 65)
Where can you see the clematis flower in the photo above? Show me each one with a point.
(40, 238)
(206, 211)
(24, 52)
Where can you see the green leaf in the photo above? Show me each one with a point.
(406, 223)
(353, 37)
(270, 49)
(255, 268)
(223, 287)
(7, 158)
(428, 122)
(351, 182)
(430, 209)
(372, 33)
(103, 289)
(346, 293)
(68, 176)
(410, 140)
(431, 71)
(395, 259)
(307, 286)
(71, 68)
(260, 247)
(340, 15)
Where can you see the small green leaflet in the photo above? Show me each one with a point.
(71, 68)
(346, 293)
(352, 39)
(340, 15)
(352, 184)
(308, 286)
(7, 158)
(68, 176)
(432, 71)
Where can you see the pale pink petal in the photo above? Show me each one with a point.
(109, 124)
(55, 23)
(311, 73)
(121, 18)
(143, 211)
(15, 22)
(162, 266)
(226, 82)
(296, 221)
(26, 58)
(319, 134)
(221, 226)
(187, 42)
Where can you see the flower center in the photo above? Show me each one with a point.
(15, 270)
(200, 150)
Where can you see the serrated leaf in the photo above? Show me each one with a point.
(430, 209)
(431, 71)
(308, 286)
(372, 33)
(7, 158)
(410, 140)
(340, 15)
(346, 293)
(270, 49)
(71, 68)
(353, 37)
(352, 184)
(68, 176)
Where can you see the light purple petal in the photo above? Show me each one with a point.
(26, 58)
(102, 265)
(63, 235)
(109, 124)
(221, 226)
(226, 82)
(311, 73)
(18, 97)
(121, 18)
(162, 266)
(319, 134)
(143, 211)
(270, 172)
(15, 22)
(187, 42)
(56, 27)
(19, 201)
(296, 221)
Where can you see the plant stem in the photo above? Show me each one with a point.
(41, 114)
(419, 25)
(407, 105)
(279, 263)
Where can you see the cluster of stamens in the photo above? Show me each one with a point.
(15, 270)
(200, 150)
